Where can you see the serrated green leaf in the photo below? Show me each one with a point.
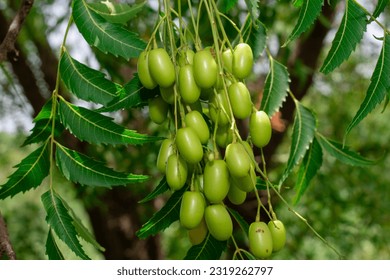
(302, 135)
(86, 83)
(29, 174)
(379, 85)
(350, 32)
(240, 220)
(116, 12)
(61, 222)
(256, 35)
(84, 170)
(275, 88)
(52, 250)
(162, 219)
(42, 129)
(311, 163)
(106, 36)
(298, 3)
(96, 128)
(131, 96)
(380, 7)
(307, 15)
(162, 187)
(253, 8)
(343, 154)
(209, 249)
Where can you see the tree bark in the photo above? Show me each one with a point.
(5, 243)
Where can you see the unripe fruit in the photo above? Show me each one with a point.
(218, 222)
(192, 209)
(219, 108)
(242, 61)
(260, 129)
(260, 240)
(278, 233)
(198, 234)
(189, 90)
(227, 59)
(166, 149)
(235, 194)
(216, 181)
(189, 145)
(143, 71)
(195, 120)
(224, 136)
(237, 160)
(161, 67)
(205, 69)
(176, 172)
(158, 110)
(240, 99)
(246, 183)
(186, 57)
(168, 94)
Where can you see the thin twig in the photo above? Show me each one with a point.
(7, 46)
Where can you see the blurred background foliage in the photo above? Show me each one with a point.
(348, 206)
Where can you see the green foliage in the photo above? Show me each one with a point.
(209, 249)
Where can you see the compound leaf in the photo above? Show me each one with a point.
(162, 187)
(52, 249)
(116, 12)
(106, 36)
(350, 32)
(84, 170)
(209, 249)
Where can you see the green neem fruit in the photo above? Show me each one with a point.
(195, 120)
(198, 234)
(176, 172)
(235, 194)
(242, 61)
(224, 136)
(161, 67)
(158, 110)
(227, 59)
(246, 183)
(205, 69)
(278, 233)
(189, 90)
(216, 181)
(218, 222)
(189, 145)
(219, 108)
(237, 160)
(166, 149)
(260, 129)
(186, 57)
(143, 71)
(240, 99)
(192, 209)
(168, 94)
(260, 240)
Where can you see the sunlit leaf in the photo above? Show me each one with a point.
(29, 174)
(162, 187)
(275, 88)
(307, 15)
(311, 163)
(350, 32)
(163, 218)
(380, 7)
(86, 83)
(61, 222)
(79, 168)
(116, 12)
(106, 36)
(379, 85)
(52, 250)
(209, 249)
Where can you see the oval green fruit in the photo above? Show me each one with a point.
(237, 160)
(158, 110)
(166, 149)
(219, 108)
(143, 71)
(189, 90)
(195, 120)
(246, 183)
(161, 67)
(176, 172)
(168, 94)
(186, 57)
(227, 60)
(198, 234)
(260, 129)
(240, 99)
(242, 61)
(216, 181)
(219, 222)
(235, 194)
(192, 209)
(205, 69)
(260, 240)
(189, 145)
(278, 233)
(224, 136)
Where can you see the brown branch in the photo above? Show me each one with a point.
(5, 243)
(7, 47)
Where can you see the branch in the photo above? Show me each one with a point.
(5, 243)
(7, 47)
